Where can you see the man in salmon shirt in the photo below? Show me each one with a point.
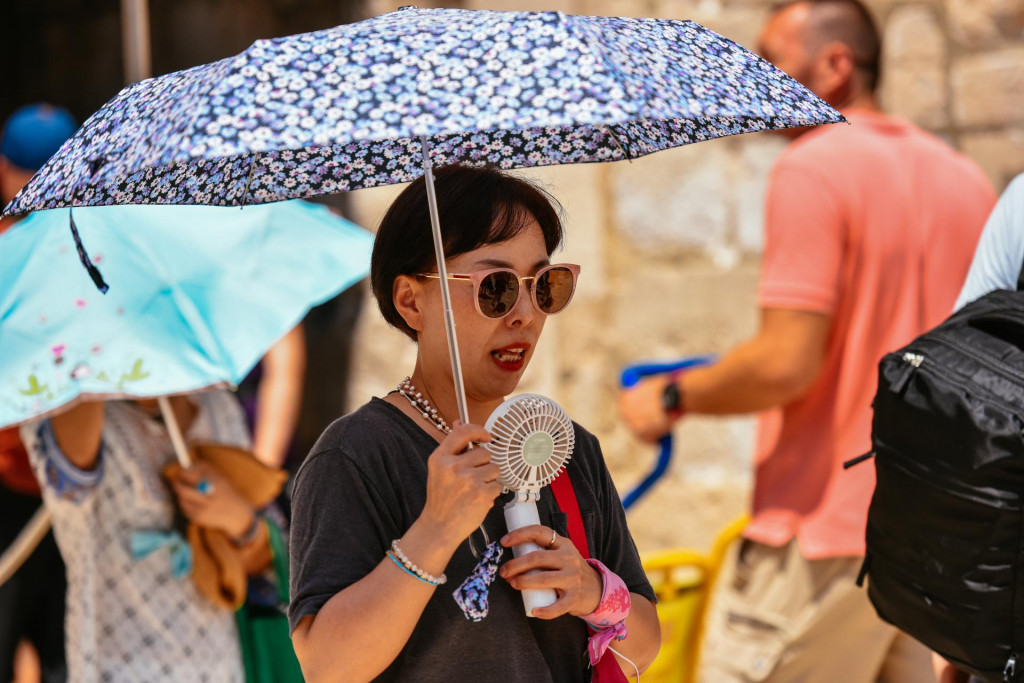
(869, 231)
(32, 600)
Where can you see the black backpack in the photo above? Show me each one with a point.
(945, 533)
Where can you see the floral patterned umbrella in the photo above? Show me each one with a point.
(380, 101)
(347, 107)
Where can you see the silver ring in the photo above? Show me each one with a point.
(554, 537)
(205, 487)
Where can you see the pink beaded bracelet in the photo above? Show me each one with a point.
(608, 621)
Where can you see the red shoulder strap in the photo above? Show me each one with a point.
(565, 496)
(607, 670)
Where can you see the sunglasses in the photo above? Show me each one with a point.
(497, 290)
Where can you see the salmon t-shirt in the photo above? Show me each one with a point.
(874, 224)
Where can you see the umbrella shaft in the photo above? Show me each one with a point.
(174, 431)
(442, 271)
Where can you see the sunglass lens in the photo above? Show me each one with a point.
(554, 289)
(498, 293)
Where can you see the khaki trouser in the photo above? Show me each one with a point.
(779, 618)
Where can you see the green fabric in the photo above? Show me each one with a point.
(266, 643)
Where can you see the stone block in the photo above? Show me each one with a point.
(913, 33)
(999, 153)
(985, 23)
(612, 8)
(683, 515)
(674, 199)
(988, 89)
(740, 23)
(914, 82)
(581, 190)
(752, 162)
(518, 5)
(918, 92)
(372, 8)
(682, 306)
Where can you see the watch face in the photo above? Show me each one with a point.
(670, 397)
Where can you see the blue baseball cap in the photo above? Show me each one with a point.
(34, 133)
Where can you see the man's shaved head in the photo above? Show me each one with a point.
(848, 22)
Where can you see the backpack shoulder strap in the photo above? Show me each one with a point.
(565, 496)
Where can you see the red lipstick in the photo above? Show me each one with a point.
(511, 358)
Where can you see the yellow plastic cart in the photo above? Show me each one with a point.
(684, 581)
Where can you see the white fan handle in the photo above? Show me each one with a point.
(518, 515)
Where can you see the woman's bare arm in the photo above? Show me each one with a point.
(644, 640)
(362, 629)
(279, 397)
(78, 433)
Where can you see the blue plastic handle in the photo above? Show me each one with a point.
(629, 377)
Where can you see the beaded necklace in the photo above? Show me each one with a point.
(420, 403)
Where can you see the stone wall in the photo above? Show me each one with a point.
(670, 243)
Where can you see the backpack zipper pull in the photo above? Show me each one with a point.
(1010, 672)
(913, 362)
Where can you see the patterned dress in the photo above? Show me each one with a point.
(129, 619)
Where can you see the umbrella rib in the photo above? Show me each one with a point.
(618, 143)
(613, 68)
(248, 180)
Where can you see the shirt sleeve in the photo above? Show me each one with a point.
(804, 238)
(1000, 253)
(617, 550)
(340, 531)
(54, 471)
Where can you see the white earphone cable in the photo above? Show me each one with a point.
(631, 663)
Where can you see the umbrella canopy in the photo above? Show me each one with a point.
(357, 105)
(198, 296)
(372, 103)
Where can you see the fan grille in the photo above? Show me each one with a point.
(531, 440)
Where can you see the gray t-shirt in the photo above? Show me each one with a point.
(364, 484)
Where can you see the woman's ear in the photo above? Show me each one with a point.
(406, 294)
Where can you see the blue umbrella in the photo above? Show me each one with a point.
(198, 295)
(381, 100)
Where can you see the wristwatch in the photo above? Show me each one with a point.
(672, 398)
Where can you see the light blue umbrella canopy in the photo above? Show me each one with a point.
(197, 296)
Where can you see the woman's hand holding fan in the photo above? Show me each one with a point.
(577, 584)
(461, 485)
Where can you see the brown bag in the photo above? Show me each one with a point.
(217, 567)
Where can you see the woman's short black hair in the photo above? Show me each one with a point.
(477, 206)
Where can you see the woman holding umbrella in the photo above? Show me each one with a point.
(385, 503)
(133, 612)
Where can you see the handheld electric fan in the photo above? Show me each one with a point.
(531, 441)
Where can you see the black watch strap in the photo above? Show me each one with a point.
(672, 397)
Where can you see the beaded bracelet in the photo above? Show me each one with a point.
(399, 558)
